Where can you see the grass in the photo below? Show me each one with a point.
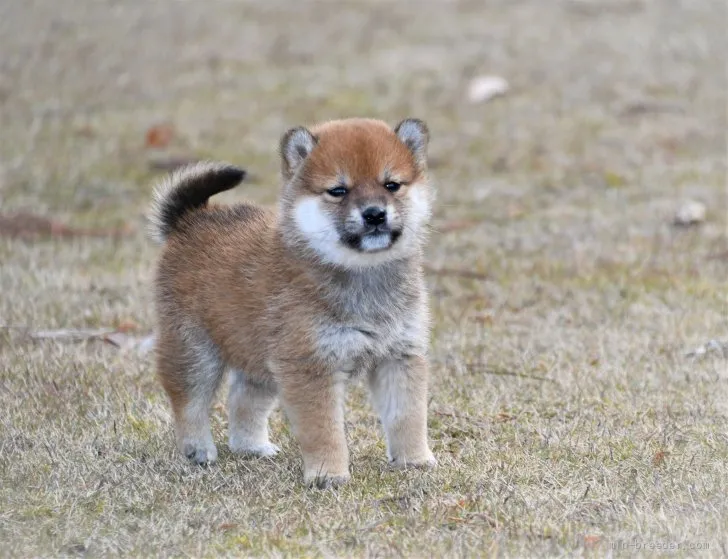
(565, 415)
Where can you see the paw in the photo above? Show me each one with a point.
(200, 453)
(424, 462)
(261, 450)
(325, 481)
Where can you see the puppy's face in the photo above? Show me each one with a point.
(356, 193)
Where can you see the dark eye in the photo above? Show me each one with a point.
(392, 186)
(338, 191)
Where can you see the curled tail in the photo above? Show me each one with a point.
(186, 190)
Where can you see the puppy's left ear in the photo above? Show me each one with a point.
(414, 134)
(296, 145)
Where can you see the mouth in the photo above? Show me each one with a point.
(376, 240)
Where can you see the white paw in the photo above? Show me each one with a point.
(426, 462)
(325, 481)
(200, 453)
(262, 450)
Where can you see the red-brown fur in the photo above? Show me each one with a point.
(232, 292)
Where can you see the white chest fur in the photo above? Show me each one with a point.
(349, 347)
(374, 314)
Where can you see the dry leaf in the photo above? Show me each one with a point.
(591, 541)
(29, 226)
(659, 458)
(487, 317)
(670, 145)
(159, 136)
(713, 347)
(485, 88)
(127, 326)
(85, 131)
(690, 213)
(515, 211)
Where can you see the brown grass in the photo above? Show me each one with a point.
(565, 414)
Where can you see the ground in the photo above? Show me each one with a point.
(565, 412)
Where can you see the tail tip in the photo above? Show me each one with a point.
(225, 175)
(230, 173)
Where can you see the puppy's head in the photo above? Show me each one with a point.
(356, 191)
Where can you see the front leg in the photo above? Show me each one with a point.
(399, 394)
(314, 403)
(249, 405)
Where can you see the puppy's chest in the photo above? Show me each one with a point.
(361, 341)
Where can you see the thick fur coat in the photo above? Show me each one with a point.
(293, 303)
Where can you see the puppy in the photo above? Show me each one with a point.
(296, 302)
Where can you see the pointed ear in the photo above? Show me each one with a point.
(296, 145)
(414, 134)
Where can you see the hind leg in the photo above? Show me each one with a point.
(190, 372)
(249, 406)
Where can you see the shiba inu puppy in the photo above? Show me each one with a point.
(293, 303)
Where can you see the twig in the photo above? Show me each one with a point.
(71, 334)
(501, 372)
(493, 523)
(465, 417)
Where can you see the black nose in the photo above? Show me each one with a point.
(374, 215)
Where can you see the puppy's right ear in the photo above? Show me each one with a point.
(296, 145)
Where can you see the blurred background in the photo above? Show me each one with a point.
(578, 256)
(604, 95)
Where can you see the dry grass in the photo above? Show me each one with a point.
(564, 412)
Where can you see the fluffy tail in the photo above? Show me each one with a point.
(186, 190)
